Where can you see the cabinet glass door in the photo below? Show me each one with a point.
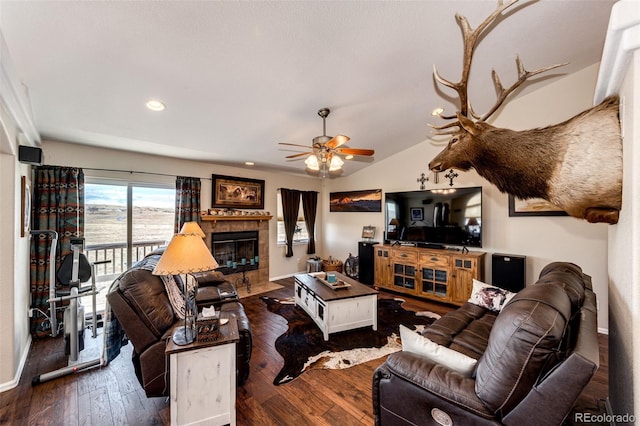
(404, 276)
(434, 281)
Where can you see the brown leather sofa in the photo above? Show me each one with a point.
(140, 303)
(534, 359)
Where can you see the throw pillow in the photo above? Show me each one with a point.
(489, 297)
(418, 344)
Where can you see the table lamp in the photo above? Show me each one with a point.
(192, 228)
(185, 254)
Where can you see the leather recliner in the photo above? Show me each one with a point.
(534, 359)
(140, 303)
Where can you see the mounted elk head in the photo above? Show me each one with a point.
(575, 165)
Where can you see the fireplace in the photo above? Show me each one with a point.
(235, 250)
(212, 224)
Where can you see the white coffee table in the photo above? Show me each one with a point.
(336, 310)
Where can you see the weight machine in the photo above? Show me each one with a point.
(74, 270)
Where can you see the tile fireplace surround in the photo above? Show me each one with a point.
(211, 224)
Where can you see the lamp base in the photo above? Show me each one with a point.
(183, 336)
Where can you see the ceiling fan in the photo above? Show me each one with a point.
(324, 159)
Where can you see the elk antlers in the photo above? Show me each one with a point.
(470, 39)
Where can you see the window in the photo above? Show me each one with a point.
(301, 235)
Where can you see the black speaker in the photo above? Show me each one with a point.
(508, 271)
(365, 262)
(30, 155)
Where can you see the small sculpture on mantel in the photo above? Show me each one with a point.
(575, 165)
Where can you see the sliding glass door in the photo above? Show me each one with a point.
(123, 222)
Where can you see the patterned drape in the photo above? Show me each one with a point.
(290, 208)
(58, 205)
(187, 201)
(309, 207)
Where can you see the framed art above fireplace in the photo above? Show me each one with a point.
(237, 192)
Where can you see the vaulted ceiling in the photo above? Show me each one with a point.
(239, 77)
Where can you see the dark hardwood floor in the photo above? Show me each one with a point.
(113, 396)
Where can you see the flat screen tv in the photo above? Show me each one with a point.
(435, 218)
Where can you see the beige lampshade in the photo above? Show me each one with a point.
(192, 228)
(394, 222)
(185, 254)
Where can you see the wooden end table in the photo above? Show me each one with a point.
(203, 379)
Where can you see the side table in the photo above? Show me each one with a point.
(203, 379)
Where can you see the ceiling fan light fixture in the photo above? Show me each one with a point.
(322, 156)
(312, 162)
(336, 163)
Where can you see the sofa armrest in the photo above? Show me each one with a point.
(409, 389)
(209, 278)
(436, 379)
(216, 294)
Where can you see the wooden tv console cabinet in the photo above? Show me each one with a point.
(441, 275)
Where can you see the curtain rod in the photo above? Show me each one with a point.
(132, 172)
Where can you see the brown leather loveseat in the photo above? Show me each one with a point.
(140, 303)
(534, 358)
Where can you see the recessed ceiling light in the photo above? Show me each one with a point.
(155, 105)
(348, 157)
(437, 111)
(249, 163)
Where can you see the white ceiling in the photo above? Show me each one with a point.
(239, 77)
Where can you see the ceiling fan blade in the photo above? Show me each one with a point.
(355, 151)
(337, 141)
(298, 155)
(294, 144)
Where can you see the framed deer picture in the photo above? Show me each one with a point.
(236, 192)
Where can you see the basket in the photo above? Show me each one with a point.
(332, 265)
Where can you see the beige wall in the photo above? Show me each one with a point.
(60, 153)
(541, 239)
(14, 255)
(624, 259)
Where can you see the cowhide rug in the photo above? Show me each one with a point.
(302, 346)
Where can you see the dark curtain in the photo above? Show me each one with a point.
(309, 207)
(58, 205)
(290, 209)
(187, 201)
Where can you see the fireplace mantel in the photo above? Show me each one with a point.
(215, 218)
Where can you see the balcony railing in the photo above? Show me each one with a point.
(117, 254)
